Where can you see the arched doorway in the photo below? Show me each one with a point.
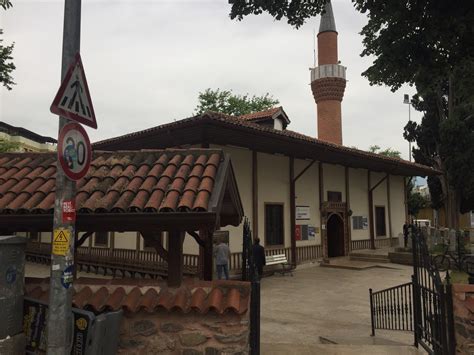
(335, 235)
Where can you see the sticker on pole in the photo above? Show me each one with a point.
(74, 151)
(73, 99)
(61, 238)
(69, 211)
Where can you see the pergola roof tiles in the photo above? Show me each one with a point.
(125, 182)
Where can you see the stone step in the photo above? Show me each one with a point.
(401, 258)
(336, 349)
(371, 259)
(369, 255)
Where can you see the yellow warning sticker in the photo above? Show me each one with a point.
(61, 238)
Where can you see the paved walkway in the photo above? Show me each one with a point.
(325, 302)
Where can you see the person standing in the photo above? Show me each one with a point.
(405, 234)
(259, 257)
(222, 253)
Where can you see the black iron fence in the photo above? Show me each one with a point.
(392, 308)
(423, 306)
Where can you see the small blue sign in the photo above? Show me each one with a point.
(67, 276)
(10, 275)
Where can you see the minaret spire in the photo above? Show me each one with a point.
(328, 80)
(327, 19)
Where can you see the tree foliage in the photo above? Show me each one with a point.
(415, 201)
(296, 12)
(7, 146)
(6, 64)
(388, 152)
(225, 101)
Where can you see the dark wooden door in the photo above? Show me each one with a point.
(335, 234)
(380, 229)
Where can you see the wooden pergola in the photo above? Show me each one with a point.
(176, 191)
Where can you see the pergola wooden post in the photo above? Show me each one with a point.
(208, 255)
(175, 258)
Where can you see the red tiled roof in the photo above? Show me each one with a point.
(261, 114)
(99, 295)
(133, 181)
(350, 154)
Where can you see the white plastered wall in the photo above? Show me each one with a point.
(359, 202)
(380, 200)
(125, 240)
(273, 187)
(307, 194)
(397, 203)
(334, 180)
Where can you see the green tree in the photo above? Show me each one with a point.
(388, 152)
(296, 12)
(6, 64)
(225, 101)
(415, 201)
(7, 146)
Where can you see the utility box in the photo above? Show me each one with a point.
(12, 272)
(92, 334)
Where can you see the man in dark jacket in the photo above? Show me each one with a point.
(259, 257)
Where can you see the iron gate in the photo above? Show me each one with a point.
(433, 317)
(423, 306)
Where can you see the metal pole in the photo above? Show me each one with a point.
(371, 313)
(409, 142)
(60, 321)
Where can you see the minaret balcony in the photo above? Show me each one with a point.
(328, 71)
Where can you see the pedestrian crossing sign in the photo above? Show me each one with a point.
(73, 99)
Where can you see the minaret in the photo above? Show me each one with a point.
(328, 80)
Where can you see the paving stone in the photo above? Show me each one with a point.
(143, 327)
(212, 351)
(231, 338)
(191, 352)
(171, 327)
(192, 339)
(161, 343)
(130, 343)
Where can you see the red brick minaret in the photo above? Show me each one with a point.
(328, 80)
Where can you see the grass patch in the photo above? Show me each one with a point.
(458, 277)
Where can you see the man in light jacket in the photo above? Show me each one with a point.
(222, 253)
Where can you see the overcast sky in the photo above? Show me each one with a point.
(146, 61)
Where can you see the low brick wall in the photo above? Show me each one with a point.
(463, 304)
(176, 333)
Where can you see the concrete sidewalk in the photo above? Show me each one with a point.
(326, 302)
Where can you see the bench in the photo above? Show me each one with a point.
(279, 259)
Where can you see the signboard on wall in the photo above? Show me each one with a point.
(302, 212)
(312, 233)
(360, 222)
(298, 232)
(302, 232)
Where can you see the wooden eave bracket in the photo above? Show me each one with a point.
(154, 239)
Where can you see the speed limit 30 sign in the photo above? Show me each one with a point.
(74, 151)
